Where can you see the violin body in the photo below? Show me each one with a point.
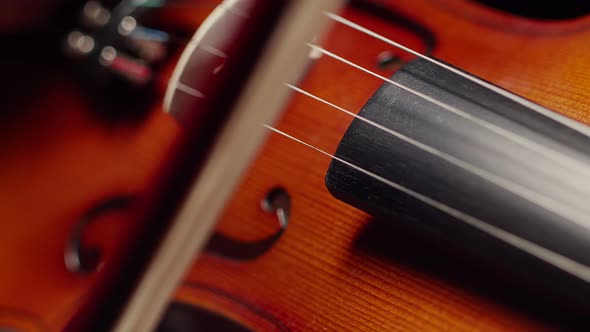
(334, 267)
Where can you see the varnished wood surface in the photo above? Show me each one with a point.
(59, 159)
(334, 268)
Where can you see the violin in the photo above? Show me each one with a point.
(296, 165)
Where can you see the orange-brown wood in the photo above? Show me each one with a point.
(60, 158)
(329, 270)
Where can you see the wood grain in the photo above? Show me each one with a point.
(335, 268)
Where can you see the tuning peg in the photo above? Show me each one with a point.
(149, 43)
(79, 44)
(95, 15)
(133, 69)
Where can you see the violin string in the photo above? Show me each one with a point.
(522, 101)
(554, 155)
(559, 261)
(560, 158)
(568, 212)
(555, 259)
